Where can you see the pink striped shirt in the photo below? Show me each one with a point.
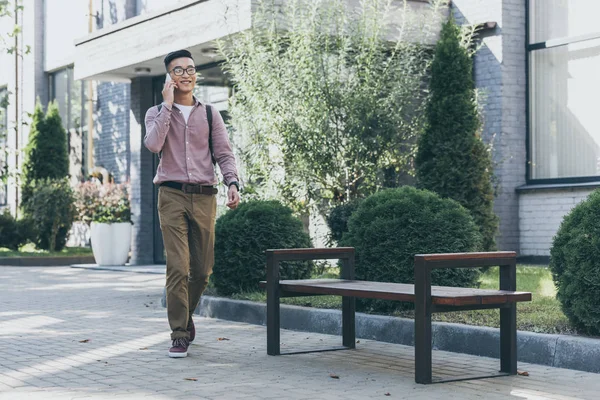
(185, 153)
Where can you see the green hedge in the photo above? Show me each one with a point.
(52, 211)
(391, 226)
(14, 233)
(575, 265)
(241, 238)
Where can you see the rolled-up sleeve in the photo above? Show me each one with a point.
(222, 149)
(157, 126)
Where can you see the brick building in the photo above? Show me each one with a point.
(102, 61)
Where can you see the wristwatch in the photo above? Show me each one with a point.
(235, 183)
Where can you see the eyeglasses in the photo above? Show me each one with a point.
(178, 71)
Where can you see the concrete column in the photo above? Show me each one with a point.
(142, 173)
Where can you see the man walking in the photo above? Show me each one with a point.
(180, 130)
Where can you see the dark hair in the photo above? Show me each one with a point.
(176, 54)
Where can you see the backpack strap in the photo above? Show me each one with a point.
(160, 152)
(209, 117)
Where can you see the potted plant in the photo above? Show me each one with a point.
(106, 208)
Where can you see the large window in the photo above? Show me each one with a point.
(72, 99)
(564, 60)
(3, 146)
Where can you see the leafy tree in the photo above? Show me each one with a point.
(327, 98)
(8, 9)
(452, 159)
(8, 45)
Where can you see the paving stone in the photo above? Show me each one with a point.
(50, 310)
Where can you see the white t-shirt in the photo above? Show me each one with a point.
(185, 110)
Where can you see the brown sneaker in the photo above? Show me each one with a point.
(180, 347)
(191, 328)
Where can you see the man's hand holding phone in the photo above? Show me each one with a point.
(168, 92)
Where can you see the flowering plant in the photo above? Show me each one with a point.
(108, 203)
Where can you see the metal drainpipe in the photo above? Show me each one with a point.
(90, 104)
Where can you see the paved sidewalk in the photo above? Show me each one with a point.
(69, 333)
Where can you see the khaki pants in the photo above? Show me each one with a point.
(187, 221)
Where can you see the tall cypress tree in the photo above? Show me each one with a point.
(452, 159)
(46, 154)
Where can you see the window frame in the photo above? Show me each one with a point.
(80, 129)
(529, 48)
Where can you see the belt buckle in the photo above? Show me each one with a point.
(184, 187)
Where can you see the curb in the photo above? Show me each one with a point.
(559, 351)
(46, 261)
(158, 269)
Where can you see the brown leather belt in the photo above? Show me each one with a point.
(191, 188)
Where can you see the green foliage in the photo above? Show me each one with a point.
(326, 98)
(8, 9)
(452, 159)
(14, 233)
(46, 154)
(108, 203)
(393, 225)
(337, 220)
(575, 265)
(52, 210)
(243, 235)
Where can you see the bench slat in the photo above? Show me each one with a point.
(441, 295)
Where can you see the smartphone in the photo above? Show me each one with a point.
(168, 78)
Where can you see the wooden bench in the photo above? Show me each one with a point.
(428, 299)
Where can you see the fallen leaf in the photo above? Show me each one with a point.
(84, 341)
(387, 394)
(143, 348)
(334, 376)
(190, 379)
(358, 341)
(523, 373)
(223, 338)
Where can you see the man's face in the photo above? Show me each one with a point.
(185, 82)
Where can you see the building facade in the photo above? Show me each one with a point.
(104, 68)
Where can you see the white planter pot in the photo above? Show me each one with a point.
(111, 242)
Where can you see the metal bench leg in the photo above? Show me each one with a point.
(348, 322)
(423, 348)
(508, 339)
(348, 307)
(423, 345)
(273, 325)
(508, 321)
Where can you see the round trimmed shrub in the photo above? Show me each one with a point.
(337, 220)
(575, 265)
(52, 211)
(241, 238)
(393, 225)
